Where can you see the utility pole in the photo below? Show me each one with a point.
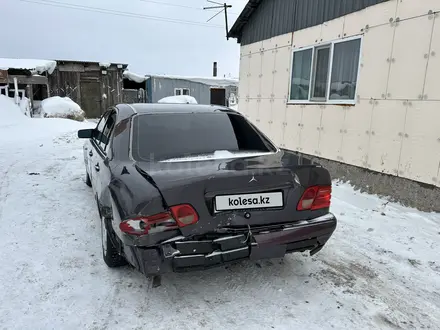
(224, 7)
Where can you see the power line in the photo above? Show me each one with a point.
(118, 13)
(176, 5)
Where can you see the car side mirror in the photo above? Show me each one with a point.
(86, 133)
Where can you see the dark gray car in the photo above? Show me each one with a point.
(182, 187)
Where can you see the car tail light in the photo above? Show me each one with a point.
(315, 198)
(184, 214)
(180, 216)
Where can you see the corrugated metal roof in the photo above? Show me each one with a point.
(263, 19)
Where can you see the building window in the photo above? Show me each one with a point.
(326, 73)
(181, 91)
(4, 90)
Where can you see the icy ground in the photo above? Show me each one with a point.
(380, 270)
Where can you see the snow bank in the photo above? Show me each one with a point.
(10, 113)
(39, 66)
(181, 99)
(134, 77)
(212, 81)
(61, 107)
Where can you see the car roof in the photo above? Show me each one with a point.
(157, 108)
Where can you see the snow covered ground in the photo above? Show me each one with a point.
(380, 270)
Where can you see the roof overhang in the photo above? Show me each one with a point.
(242, 20)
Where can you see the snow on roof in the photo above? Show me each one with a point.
(39, 66)
(213, 81)
(134, 77)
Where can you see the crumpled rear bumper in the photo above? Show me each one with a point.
(184, 255)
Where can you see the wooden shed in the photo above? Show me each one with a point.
(94, 86)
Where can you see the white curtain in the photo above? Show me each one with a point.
(345, 70)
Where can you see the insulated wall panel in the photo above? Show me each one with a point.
(255, 75)
(267, 73)
(357, 126)
(255, 47)
(387, 127)
(332, 30)
(278, 41)
(252, 110)
(278, 122)
(420, 157)
(381, 13)
(432, 82)
(414, 8)
(243, 88)
(376, 51)
(311, 129)
(355, 23)
(331, 132)
(243, 107)
(409, 59)
(265, 116)
(307, 37)
(283, 57)
(293, 127)
(282, 40)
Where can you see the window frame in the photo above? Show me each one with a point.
(181, 91)
(96, 138)
(314, 48)
(103, 145)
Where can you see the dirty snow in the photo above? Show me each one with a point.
(61, 107)
(380, 270)
(38, 66)
(181, 99)
(134, 77)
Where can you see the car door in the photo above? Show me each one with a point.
(95, 150)
(102, 166)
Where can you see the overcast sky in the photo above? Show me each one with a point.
(148, 44)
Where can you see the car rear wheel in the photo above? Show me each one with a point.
(109, 252)
(88, 181)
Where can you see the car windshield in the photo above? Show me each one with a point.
(158, 137)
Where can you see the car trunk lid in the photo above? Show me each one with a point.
(235, 192)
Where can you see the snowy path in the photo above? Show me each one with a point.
(381, 269)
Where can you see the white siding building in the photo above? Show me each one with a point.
(362, 88)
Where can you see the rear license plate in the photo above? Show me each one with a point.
(249, 201)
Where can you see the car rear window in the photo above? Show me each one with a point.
(159, 137)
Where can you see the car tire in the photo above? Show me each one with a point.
(110, 253)
(88, 181)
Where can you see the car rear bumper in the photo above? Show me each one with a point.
(184, 255)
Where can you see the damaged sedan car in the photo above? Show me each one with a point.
(182, 187)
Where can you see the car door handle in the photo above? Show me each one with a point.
(97, 167)
(90, 153)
